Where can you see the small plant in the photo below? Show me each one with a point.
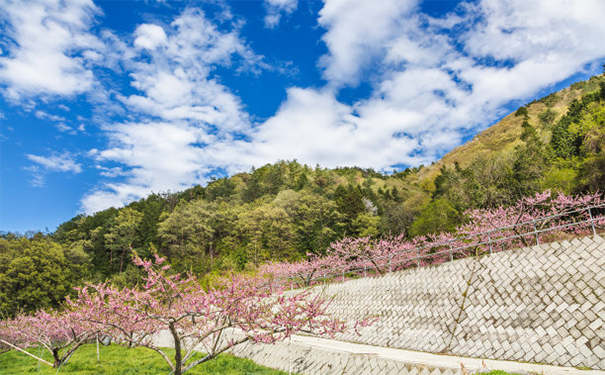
(547, 117)
(522, 111)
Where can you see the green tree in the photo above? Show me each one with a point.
(302, 182)
(90, 229)
(397, 218)
(566, 141)
(254, 189)
(529, 164)
(522, 111)
(591, 128)
(439, 216)
(315, 219)
(274, 178)
(349, 201)
(121, 234)
(189, 234)
(322, 179)
(547, 117)
(221, 188)
(269, 233)
(34, 274)
(366, 225)
(152, 209)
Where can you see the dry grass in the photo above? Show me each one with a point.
(504, 135)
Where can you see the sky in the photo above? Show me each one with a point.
(104, 102)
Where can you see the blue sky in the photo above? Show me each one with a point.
(103, 102)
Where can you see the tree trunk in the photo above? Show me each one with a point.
(178, 357)
(122, 257)
(211, 257)
(111, 259)
(56, 358)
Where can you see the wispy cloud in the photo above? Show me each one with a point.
(276, 9)
(179, 106)
(64, 162)
(46, 43)
(38, 176)
(434, 81)
(45, 116)
(176, 84)
(60, 122)
(172, 120)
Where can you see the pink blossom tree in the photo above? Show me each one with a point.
(60, 333)
(507, 225)
(381, 255)
(302, 273)
(240, 309)
(485, 230)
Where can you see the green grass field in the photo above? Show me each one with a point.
(116, 360)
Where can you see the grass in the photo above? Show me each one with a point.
(117, 360)
(504, 135)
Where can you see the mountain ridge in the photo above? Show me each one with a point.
(289, 211)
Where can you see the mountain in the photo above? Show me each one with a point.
(287, 210)
(504, 136)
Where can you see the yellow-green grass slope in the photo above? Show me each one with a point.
(504, 136)
(117, 360)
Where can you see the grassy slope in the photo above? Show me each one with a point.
(118, 360)
(504, 136)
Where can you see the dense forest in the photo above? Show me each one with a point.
(290, 211)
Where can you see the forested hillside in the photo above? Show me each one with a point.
(287, 211)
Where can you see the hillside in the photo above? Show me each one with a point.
(504, 136)
(287, 210)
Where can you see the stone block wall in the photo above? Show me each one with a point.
(309, 360)
(542, 304)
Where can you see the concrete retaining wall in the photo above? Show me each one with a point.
(302, 358)
(542, 304)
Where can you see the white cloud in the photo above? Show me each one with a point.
(182, 109)
(46, 41)
(111, 172)
(46, 116)
(356, 33)
(177, 84)
(149, 36)
(276, 9)
(546, 41)
(63, 128)
(64, 162)
(38, 177)
(522, 30)
(432, 82)
(60, 121)
(157, 156)
(312, 126)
